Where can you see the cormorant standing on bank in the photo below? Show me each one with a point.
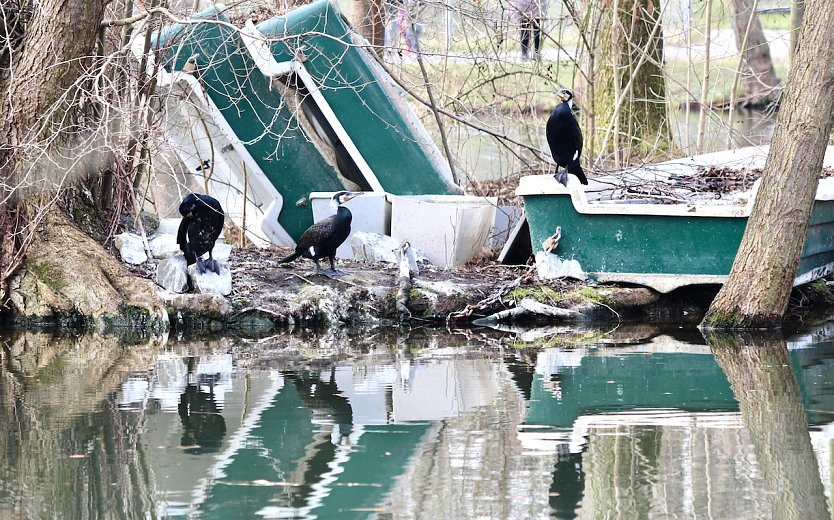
(565, 139)
(325, 236)
(202, 222)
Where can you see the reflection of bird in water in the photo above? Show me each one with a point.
(203, 425)
(324, 398)
(202, 222)
(565, 139)
(552, 242)
(325, 236)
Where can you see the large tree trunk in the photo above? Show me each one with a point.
(760, 373)
(41, 105)
(757, 290)
(628, 84)
(761, 86)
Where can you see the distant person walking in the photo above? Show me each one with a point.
(530, 16)
(401, 25)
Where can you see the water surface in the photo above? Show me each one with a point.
(426, 425)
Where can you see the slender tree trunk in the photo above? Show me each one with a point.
(369, 19)
(757, 290)
(761, 86)
(797, 13)
(760, 373)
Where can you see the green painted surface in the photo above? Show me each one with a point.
(256, 113)
(267, 124)
(351, 84)
(686, 381)
(659, 244)
(287, 447)
(604, 384)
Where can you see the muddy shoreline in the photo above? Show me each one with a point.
(269, 297)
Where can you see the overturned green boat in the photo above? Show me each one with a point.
(662, 246)
(266, 114)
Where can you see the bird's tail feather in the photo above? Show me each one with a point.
(580, 174)
(289, 258)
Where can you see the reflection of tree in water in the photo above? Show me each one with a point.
(760, 373)
(568, 486)
(203, 426)
(70, 450)
(324, 397)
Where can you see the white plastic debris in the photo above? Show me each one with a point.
(211, 282)
(373, 247)
(131, 248)
(163, 246)
(169, 226)
(550, 266)
(172, 274)
(221, 251)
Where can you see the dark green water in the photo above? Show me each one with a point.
(427, 425)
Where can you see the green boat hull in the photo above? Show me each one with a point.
(631, 243)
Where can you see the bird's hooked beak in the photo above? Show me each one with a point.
(348, 195)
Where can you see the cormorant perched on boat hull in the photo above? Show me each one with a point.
(565, 139)
(202, 222)
(325, 236)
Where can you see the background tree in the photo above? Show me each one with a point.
(622, 80)
(369, 20)
(761, 86)
(760, 281)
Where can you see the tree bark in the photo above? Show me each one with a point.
(41, 106)
(369, 20)
(769, 399)
(760, 281)
(761, 86)
(628, 81)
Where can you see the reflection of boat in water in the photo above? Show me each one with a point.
(664, 405)
(655, 421)
(305, 443)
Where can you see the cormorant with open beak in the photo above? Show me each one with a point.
(325, 236)
(202, 222)
(565, 139)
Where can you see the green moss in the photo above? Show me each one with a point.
(818, 287)
(592, 294)
(542, 294)
(48, 274)
(723, 320)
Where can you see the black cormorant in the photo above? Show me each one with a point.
(202, 222)
(565, 139)
(325, 236)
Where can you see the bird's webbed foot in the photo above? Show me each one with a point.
(201, 266)
(561, 176)
(333, 273)
(212, 265)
